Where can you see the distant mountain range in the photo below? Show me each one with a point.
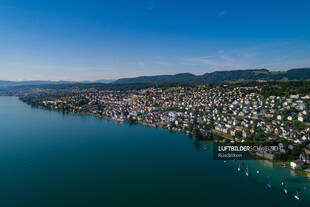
(188, 78)
(4, 83)
(104, 81)
(222, 76)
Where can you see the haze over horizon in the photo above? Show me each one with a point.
(79, 40)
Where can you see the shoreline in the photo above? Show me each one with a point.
(277, 163)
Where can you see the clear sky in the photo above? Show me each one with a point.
(89, 40)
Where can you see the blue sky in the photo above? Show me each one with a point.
(89, 40)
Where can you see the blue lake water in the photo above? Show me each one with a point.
(53, 159)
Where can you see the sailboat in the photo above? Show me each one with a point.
(296, 196)
(268, 184)
(239, 167)
(247, 171)
(257, 171)
(284, 189)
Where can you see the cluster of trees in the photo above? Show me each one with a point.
(285, 88)
(291, 155)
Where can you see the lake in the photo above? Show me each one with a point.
(49, 158)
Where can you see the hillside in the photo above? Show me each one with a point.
(221, 76)
(181, 77)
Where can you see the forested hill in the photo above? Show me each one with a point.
(222, 76)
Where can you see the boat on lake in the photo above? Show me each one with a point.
(268, 184)
(296, 196)
(284, 189)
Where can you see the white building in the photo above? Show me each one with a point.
(297, 164)
(300, 118)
